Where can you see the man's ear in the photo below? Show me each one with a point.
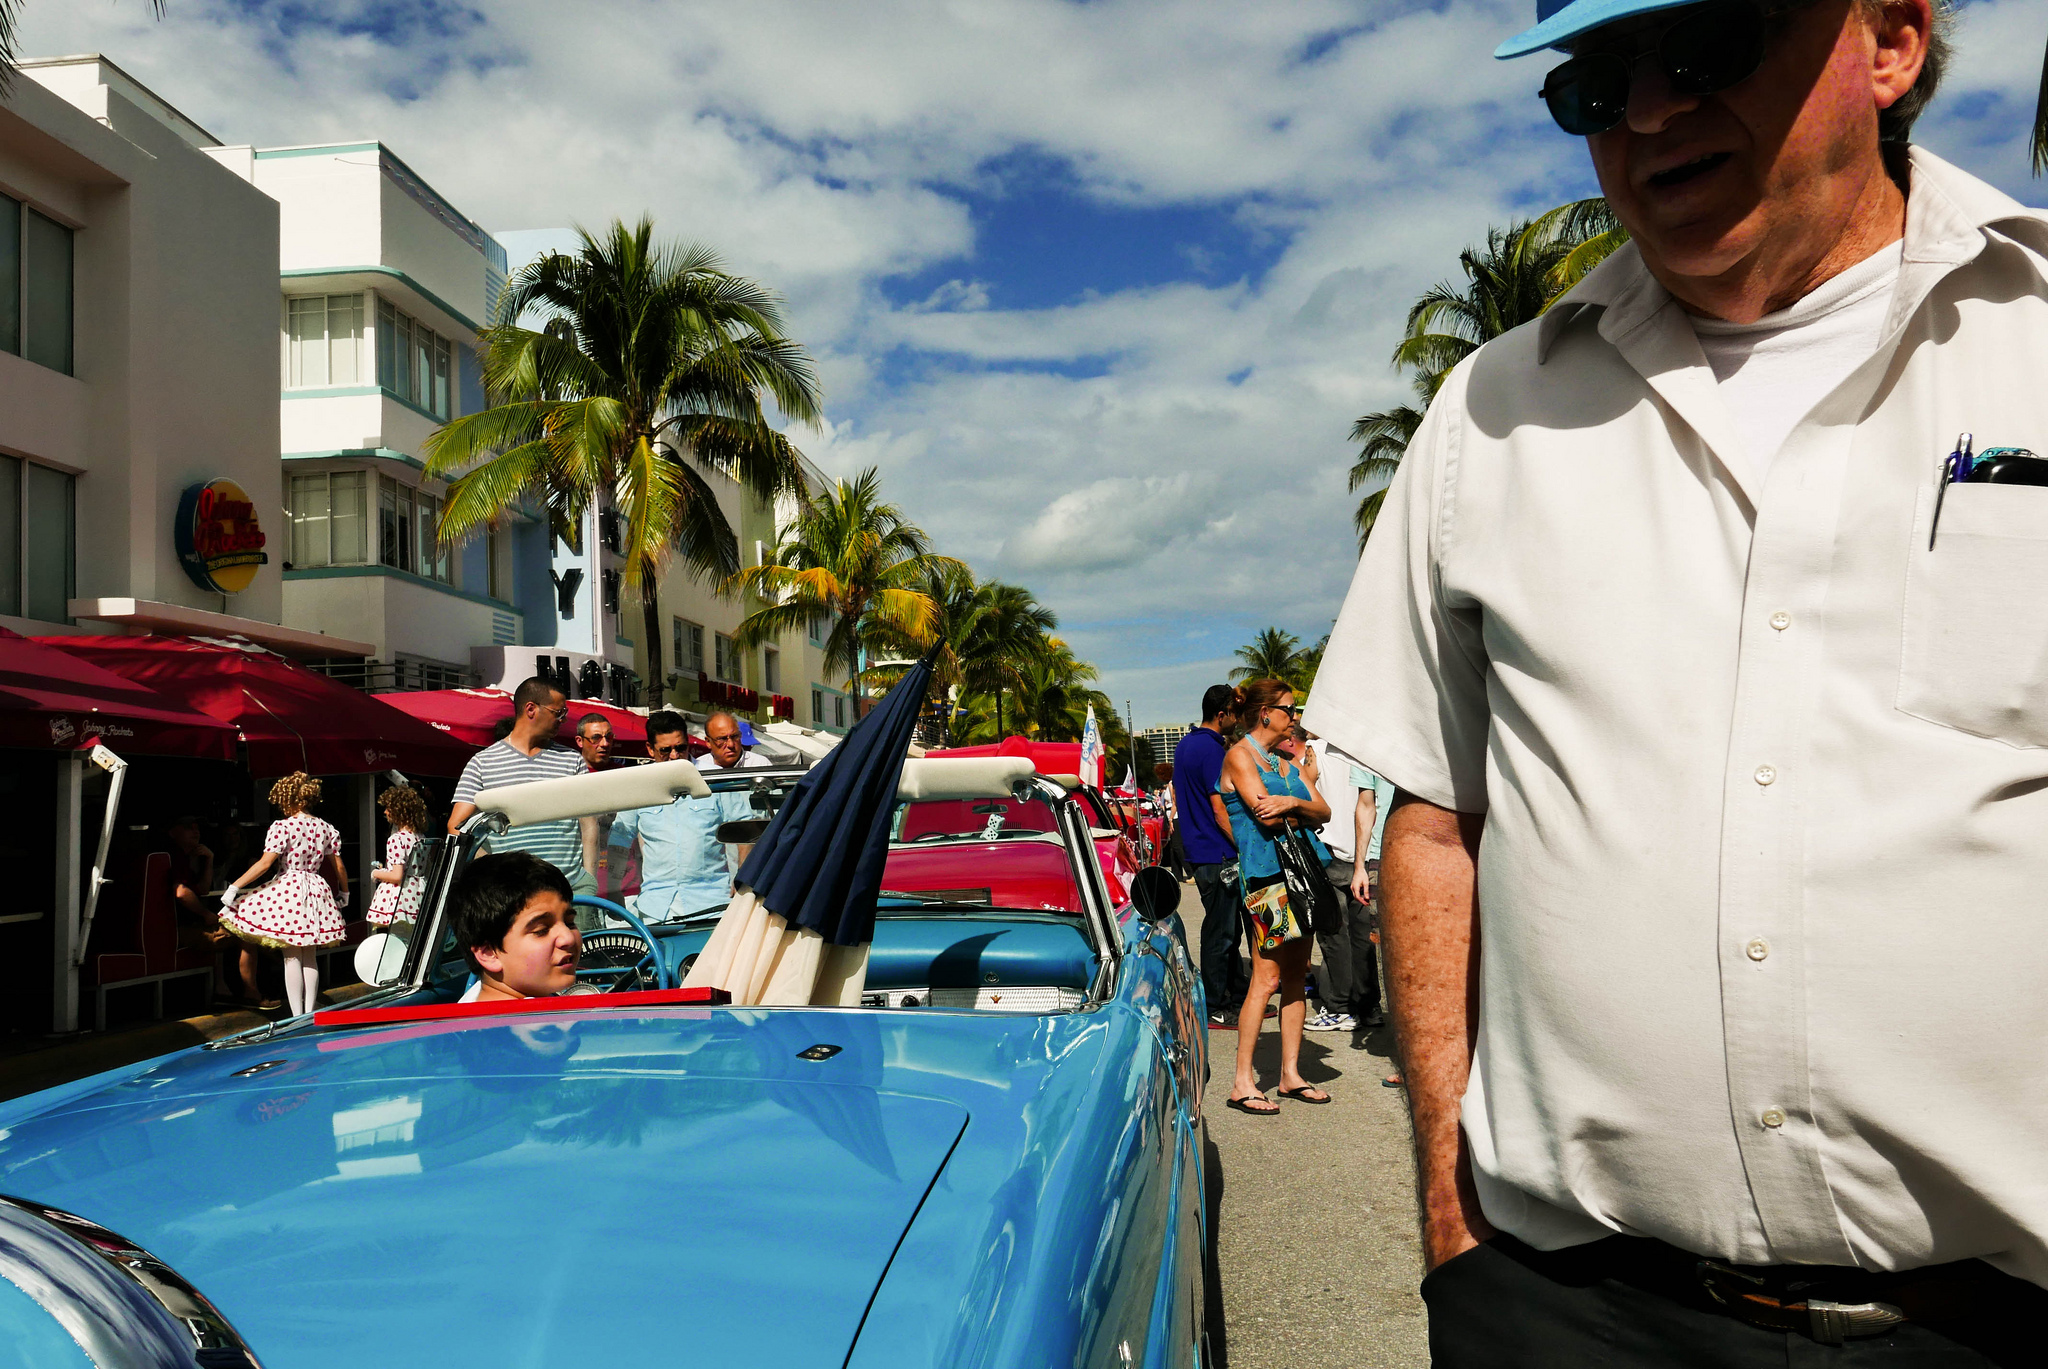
(490, 960)
(1901, 38)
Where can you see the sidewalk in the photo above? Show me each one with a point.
(27, 1065)
(1316, 1240)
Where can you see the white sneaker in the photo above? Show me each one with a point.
(1321, 1022)
(1343, 1022)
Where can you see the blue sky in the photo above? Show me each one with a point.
(1100, 287)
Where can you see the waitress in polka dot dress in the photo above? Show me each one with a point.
(299, 912)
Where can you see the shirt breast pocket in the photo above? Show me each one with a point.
(1974, 652)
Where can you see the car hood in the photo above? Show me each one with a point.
(664, 1188)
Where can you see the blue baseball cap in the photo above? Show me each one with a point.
(1560, 21)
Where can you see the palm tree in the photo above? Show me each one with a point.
(1272, 655)
(1386, 436)
(853, 560)
(649, 369)
(1522, 270)
(2037, 147)
(993, 632)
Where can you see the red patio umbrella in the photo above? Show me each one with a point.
(52, 700)
(291, 718)
(472, 714)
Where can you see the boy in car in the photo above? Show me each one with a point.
(514, 922)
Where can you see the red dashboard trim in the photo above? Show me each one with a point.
(442, 1012)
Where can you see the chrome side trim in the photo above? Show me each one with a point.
(124, 1307)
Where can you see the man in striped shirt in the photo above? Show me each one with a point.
(527, 754)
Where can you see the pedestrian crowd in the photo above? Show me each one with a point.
(289, 906)
(1253, 793)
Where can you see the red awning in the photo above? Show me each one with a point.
(290, 717)
(50, 700)
(472, 714)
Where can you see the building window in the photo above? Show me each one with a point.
(329, 513)
(408, 521)
(38, 564)
(771, 670)
(689, 647)
(498, 564)
(839, 710)
(35, 286)
(817, 622)
(728, 660)
(610, 579)
(817, 708)
(323, 340)
(412, 362)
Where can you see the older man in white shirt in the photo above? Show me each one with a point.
(1721, 1042)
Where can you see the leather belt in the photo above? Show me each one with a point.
(1791, 1301)
(1829, 1304)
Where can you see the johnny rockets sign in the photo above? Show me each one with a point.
(220, 543)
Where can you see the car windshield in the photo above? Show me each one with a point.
(672, 868)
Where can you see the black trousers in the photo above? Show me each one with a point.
(1350, 977)
(1506, 1306)
(1224, 975)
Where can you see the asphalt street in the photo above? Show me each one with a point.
(1317, 1254)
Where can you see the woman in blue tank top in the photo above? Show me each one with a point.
(1264, 795)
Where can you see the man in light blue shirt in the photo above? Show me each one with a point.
(683, 866)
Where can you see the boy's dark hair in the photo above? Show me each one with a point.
(663, 721)
(1216, 701)
(492, 891)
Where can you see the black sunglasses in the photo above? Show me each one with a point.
(1708, 49)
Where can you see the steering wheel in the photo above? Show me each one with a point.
(612, 960)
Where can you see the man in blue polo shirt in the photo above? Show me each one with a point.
(1205, 837)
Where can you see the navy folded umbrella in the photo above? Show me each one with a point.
(799, 925)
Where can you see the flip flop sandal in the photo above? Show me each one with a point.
(1393, 1081)
(1301, 1095)
(1243, 1105)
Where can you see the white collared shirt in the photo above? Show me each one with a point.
(1763, 890)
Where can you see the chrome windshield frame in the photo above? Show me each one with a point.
(1098, 911)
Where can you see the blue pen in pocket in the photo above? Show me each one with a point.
(1955, 466)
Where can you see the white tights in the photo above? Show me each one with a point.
(301, 979)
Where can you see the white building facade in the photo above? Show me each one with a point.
(383, 286)
(136, 308)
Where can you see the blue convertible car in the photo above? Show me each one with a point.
(996, 1160)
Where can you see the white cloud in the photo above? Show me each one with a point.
(1164, 465)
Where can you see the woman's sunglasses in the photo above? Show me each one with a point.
(1711, 48)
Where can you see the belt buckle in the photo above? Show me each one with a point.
(1829, 1323)
(1835, 1322)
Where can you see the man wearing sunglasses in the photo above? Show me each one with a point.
(1722, 1044)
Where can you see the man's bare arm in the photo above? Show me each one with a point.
(1429, 921)
(458, 815)
(1365, 817)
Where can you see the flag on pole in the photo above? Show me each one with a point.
(1091, 752)
(803, 909)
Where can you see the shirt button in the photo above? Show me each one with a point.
(1765, 774)
(1772, 1118)
(1757, 948)
(1781, 620)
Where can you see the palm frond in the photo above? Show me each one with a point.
(2038, 145)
